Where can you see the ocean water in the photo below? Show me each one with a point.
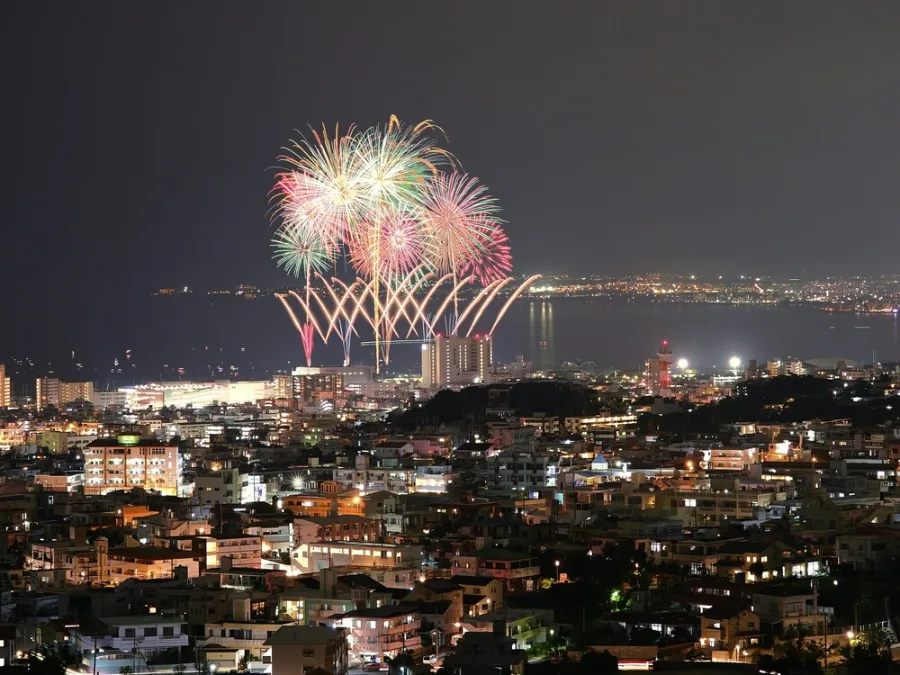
(213, 337)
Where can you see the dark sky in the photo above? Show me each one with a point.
(708, 137)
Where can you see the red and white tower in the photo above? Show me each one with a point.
(664, 358)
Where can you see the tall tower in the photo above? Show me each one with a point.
(664, 358)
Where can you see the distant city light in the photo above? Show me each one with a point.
(683, 364)
(734, 362)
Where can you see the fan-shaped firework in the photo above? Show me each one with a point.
(493, 259)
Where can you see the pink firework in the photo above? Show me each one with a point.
(493, 259)
(453, 205)
(302, 205)
(391, 245)
(308, 339)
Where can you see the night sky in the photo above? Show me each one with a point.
(621, 137)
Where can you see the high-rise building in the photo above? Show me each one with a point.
(129, 461)
(452, 360)
(283, 385)
(55, 392)
(5, 388)
(75, 391)
(658, 372)
(323, 385)
(46, 392)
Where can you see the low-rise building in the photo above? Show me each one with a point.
(379, 632)
(307, 649)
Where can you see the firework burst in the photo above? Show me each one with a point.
(391, 202)
(492, 261)
(391, 245)
(453, 206)
(299, 252)
(395, 161)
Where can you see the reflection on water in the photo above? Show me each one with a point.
(257, 337)
(622, 334)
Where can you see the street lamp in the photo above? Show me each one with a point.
(682, 364)
(556, 562)
(734, 363)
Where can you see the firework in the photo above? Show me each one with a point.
(390, 202)
(492, 261)
(455, 209)
(394, 163)
(322, 192)
(300, 252)
(338, 309)
(391, 245)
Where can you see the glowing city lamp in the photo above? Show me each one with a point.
(849, 634)
(734, 363)
(682, 364)
(556, 562)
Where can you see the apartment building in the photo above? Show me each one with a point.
(521, 471)
(148, 562)
(336, 528)
(129, 642)
(129, 461)
(378, 632)
(368, 479)
(212, 488)
(516, 570)
(55, 392)
(434, 479)
(316, 556)
(732, 459)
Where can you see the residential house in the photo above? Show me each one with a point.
(307, 650)
(516, 570)
(732, 628)
(130, 642)
(379, 632)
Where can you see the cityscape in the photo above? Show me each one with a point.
(290, 384)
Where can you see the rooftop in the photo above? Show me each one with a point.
(305, 635)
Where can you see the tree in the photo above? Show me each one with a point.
(868, 654)
(794, 656)
(598, 663)
(757, 569)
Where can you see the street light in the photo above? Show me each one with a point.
(556, 562)
(682, 364)
(734, 363)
